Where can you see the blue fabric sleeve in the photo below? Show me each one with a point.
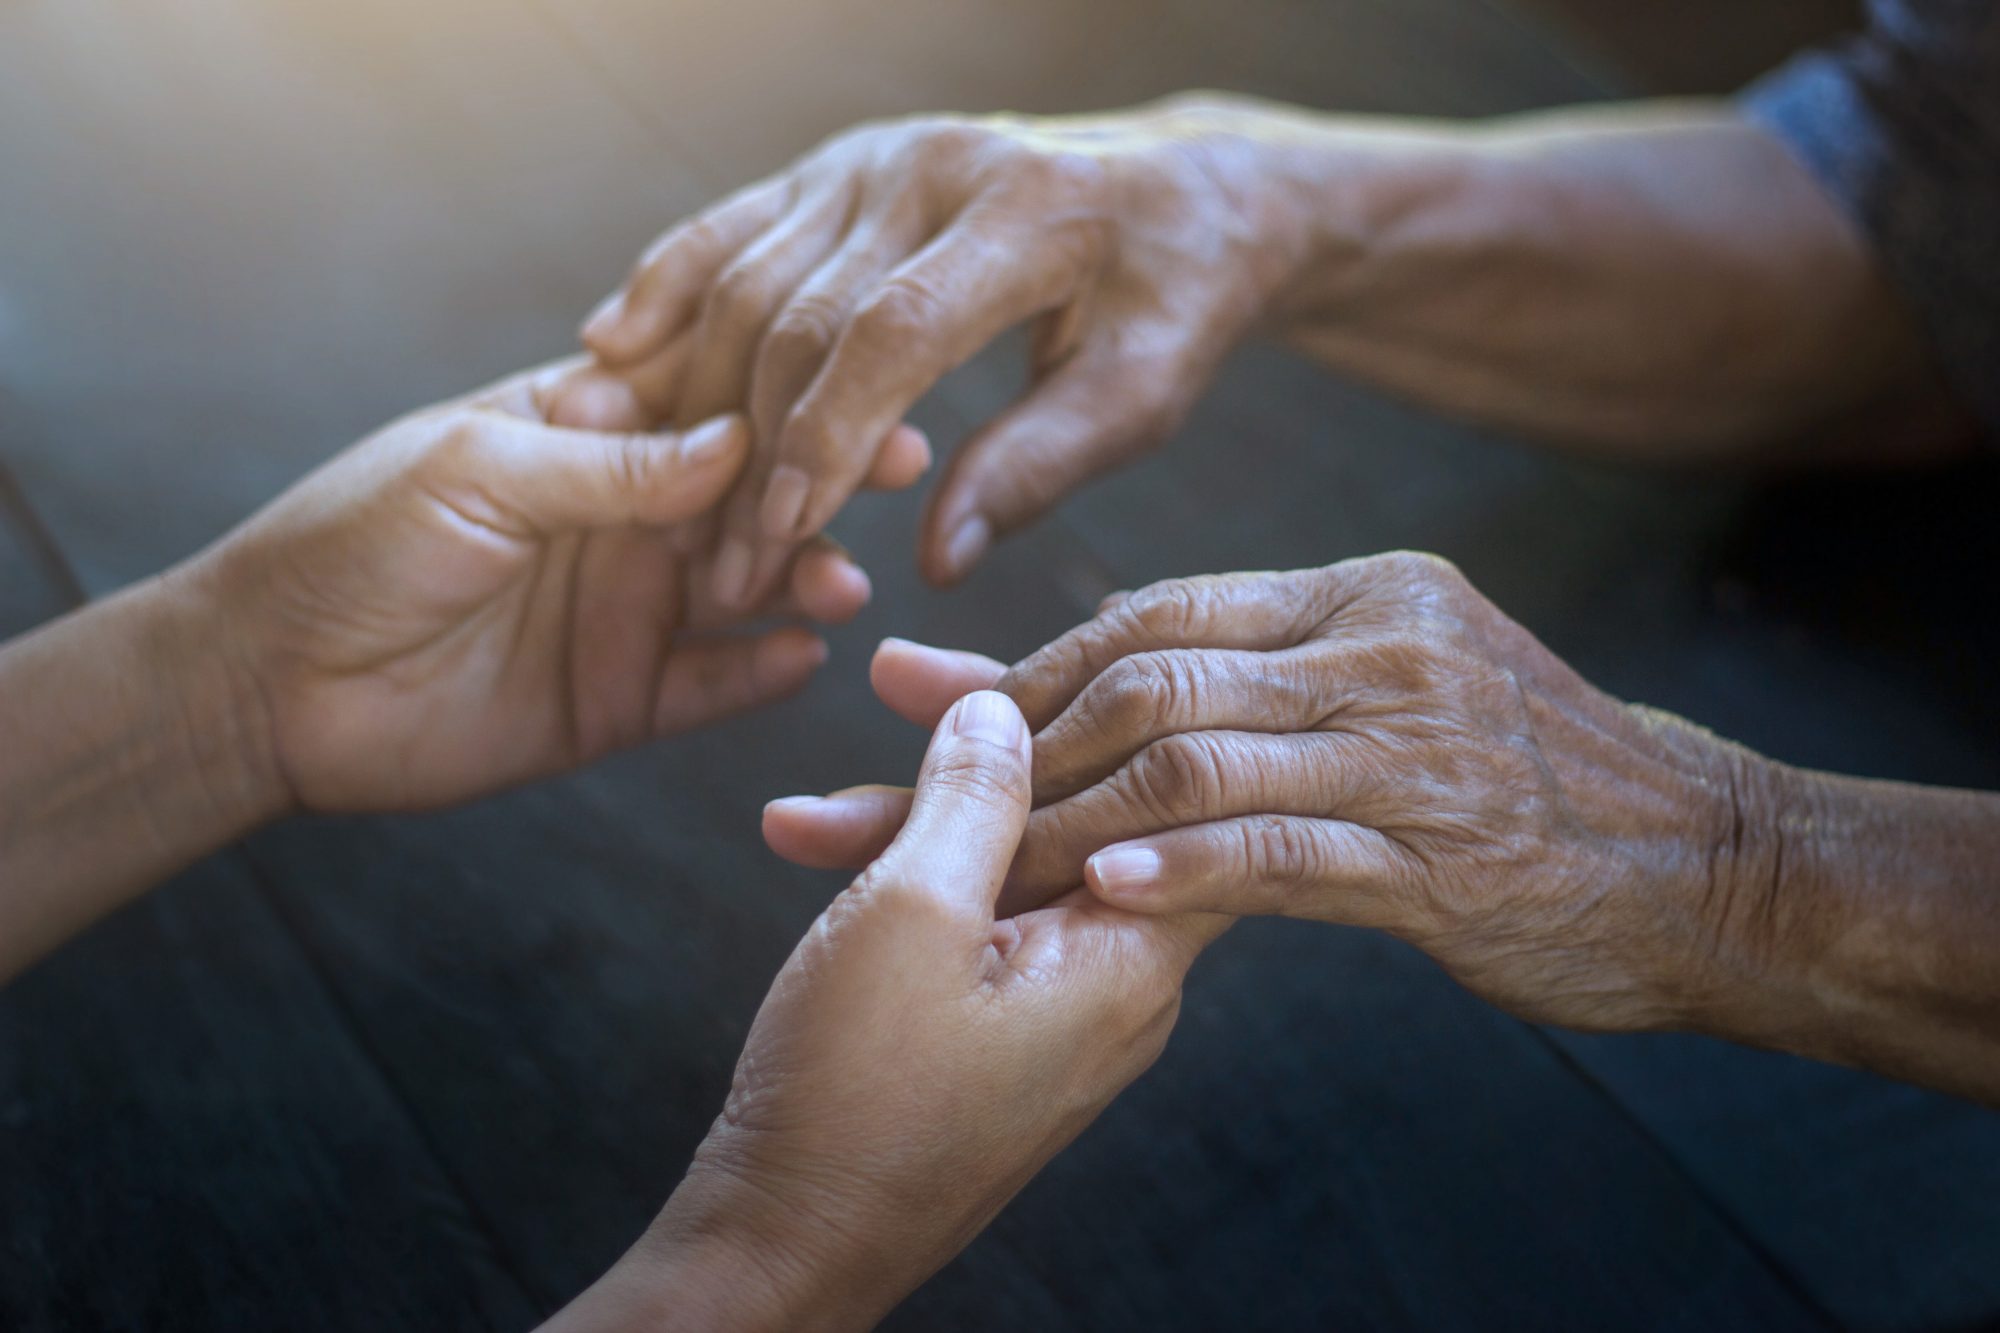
(1902, 126)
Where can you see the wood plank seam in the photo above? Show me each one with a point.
(393, 1089)
(19, 512)
(1780, 1272)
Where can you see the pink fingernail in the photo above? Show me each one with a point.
(732, 572)
(709, 441)
(967, 543)
(1125, 869)
(987, 716)
(784, 501)
(798, 803)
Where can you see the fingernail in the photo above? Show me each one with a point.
(967, 543)
(732, 571)
(1125, 869)
(603, 319)
(846, 801)
(798, 803)
(709, 441)
(784, 501)
(987, 716)
(867, 584)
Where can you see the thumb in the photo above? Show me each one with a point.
(970, 808)
(554, 480)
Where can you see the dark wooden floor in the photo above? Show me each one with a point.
(435, 1072)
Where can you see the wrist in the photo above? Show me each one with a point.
(736, 1253)
(713, 1262)
(219, 723)
(1333, 199)
(1760, 907)
(1243, 149)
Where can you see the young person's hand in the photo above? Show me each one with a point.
(915, 1063)
(472, 598)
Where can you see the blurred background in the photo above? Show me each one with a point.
(437, 1072)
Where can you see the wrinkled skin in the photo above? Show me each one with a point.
(826, 300)
(1371, 743)
(472, 598)
(915, 1063)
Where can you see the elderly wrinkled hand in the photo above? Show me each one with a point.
(826, 300)
(916, 1061)
(1371, 743)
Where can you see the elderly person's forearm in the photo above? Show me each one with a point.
(1873, 909)
(1657, 280)
(1652, 280)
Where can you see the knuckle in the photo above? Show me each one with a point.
(1063, 174)
(983, 782)
(1420, 569)
(1280, 851)
(1178, 776)
(802, 331)
(884, 890)
(879, 879)
(738, 297)
(947, 138)
(901, 311)
(1169, 612)
(1131, 695)
(633, 463)
(697, 235)
(464, 439)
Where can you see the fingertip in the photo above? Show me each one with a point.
(955, 546)
(787, 826)
(722, 437)
(990, 717)
(842, 830)
(730, 576)
(966, 544)
(1127, 875)
(784, 502)
(619, 331)
(590, 399)
(706, 460)
(787, 658)
(902, 461)
(601, 325)
(829, 587)
(920, 683)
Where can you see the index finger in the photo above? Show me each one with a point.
(982, 275)
(667, 284)
(1259, 611)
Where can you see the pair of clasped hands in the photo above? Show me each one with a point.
(592, 555)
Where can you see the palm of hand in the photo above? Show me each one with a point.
(422, 635)
(524, 659)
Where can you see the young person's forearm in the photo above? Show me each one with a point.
(1659, 281)
(128, 749)
(1870, 915)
